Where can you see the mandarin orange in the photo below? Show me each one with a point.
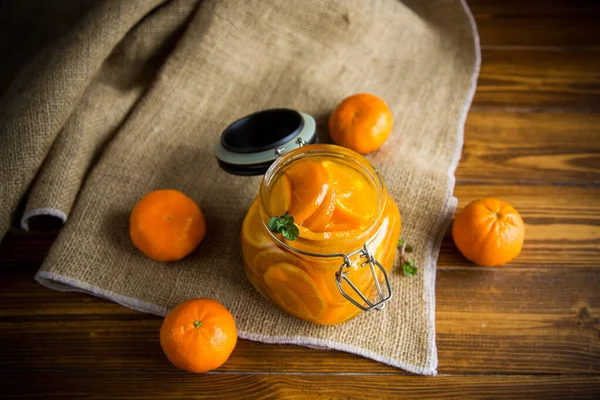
(166, 225)
(489, 232)
(198, 335)
(361, 122)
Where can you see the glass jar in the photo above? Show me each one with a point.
(333, 270)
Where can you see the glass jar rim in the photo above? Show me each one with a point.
(361, 164)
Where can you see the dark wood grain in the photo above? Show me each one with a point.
(522, 321)
(531, 149)
(531, 23)
(135, 385)
(488, 321)
(533, 81)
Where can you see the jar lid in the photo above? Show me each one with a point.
(250, 145)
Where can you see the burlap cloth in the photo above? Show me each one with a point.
(132, 96)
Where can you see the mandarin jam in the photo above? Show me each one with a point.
(339, 203)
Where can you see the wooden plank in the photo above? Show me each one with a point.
(488, 321)
(515, 148)
(555, 81)
(53, 385)
(519, 321)
(537, 22)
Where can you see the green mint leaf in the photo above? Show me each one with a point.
(284, 225)
(288, 218)
(400, 242)
(290, 232)
(274, 224)
(408, 248)
(281, 224)
(409, 268)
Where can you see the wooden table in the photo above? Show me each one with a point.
(528, 330)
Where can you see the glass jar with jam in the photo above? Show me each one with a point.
(335, 262)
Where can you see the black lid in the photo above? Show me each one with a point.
(250, 145)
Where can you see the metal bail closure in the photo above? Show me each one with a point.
(342, 275)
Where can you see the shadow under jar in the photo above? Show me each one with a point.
(348, 232)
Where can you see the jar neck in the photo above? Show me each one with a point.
(337, 154)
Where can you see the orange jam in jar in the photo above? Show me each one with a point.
(348, 232)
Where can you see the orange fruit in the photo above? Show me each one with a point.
(321, 217)
(198, 335)
(280, 196)
(252, 230)
(166, 225)
(361, 122)
(295, 291)
(489, 232)
(309, 187)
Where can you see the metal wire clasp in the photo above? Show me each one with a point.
(341, 275)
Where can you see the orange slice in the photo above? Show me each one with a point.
(356, 200)
(294, 291)
(345, 216)
(252, 230)
(346, 180)
(272, 256)
(332, 231)
(306, 233)
(321, 217)
(280, 196)
(340, 227)
(317, 271)
(309, 181)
